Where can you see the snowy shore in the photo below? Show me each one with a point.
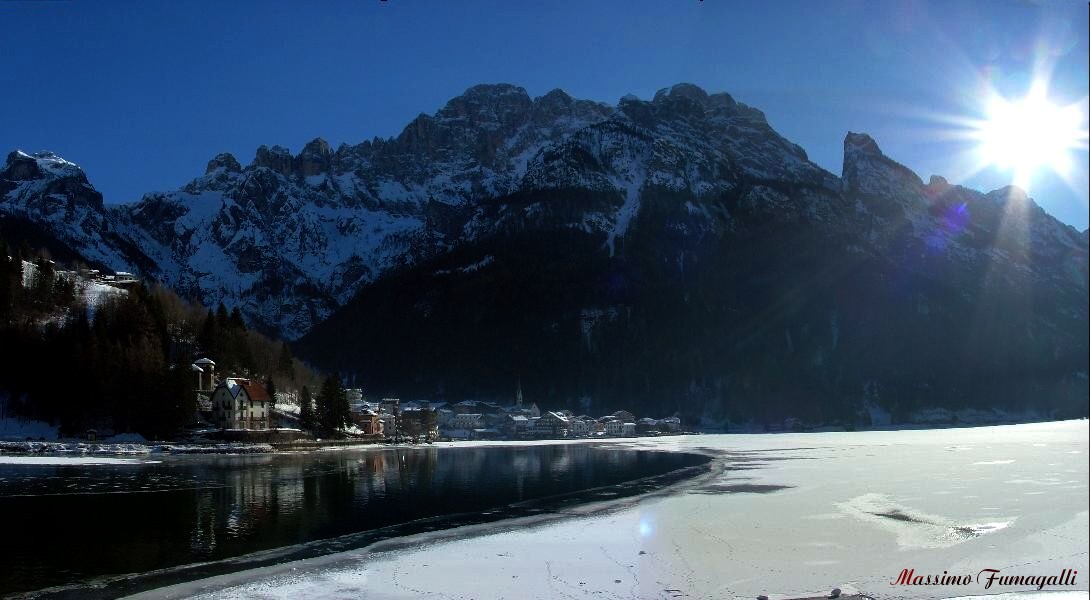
(785, 515)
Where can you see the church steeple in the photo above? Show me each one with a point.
(518, 394)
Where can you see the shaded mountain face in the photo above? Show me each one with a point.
(671, 254)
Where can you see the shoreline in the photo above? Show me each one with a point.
(76, 447)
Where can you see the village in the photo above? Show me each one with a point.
(243, 409)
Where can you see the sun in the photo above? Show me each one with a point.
(1027, 135)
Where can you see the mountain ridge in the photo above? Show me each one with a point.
(652, 192)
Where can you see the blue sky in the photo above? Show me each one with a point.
(142, 94)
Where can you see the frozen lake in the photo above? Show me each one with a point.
(782, 515)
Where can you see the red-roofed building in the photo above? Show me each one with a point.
(241, 404)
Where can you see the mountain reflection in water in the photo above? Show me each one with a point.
(69, 523)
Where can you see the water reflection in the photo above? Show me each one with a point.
(68, 523)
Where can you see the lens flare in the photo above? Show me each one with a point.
(1029, 134)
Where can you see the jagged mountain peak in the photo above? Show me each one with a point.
(692, 100)
(867, 170)
(278, 158)
(489, 104)
(555, 96)
(1008, 193)
(225, 161)
(856, 144)
(21, 166)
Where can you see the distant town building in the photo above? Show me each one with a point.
(670, 424)
(468, 421)
(579, 427)
(368, 421)
(516, 426)
(390, 406)
(551, 424)
(389, 423)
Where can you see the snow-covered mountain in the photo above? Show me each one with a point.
(289, 238)
(653, 192)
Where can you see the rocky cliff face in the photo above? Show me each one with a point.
(683, 226)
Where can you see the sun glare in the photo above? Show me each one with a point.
(1030, 134)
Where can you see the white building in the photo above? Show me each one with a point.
(241, 404)
(551, 425)
(578, 427)
(614, 428)
(467, 421)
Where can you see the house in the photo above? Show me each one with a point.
(646, 425)
(368, 421)
(613, 427)
(624, 416)
(670, 424)
(579, 427)
(388, 423)
(552, 425)
(241, 404)
(516, 426)
(391, 406)
(468, 421)
(628, 429)
(486, 433)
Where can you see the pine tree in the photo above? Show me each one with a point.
(306, 409)
(208, 338)
(236, 320)
(285, 365)
(270, 387)
(222, 319)
(332, 411)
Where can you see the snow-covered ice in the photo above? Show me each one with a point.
(782, 515)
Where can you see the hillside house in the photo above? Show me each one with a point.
(241, 404)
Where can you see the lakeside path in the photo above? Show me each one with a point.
(786, 515)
